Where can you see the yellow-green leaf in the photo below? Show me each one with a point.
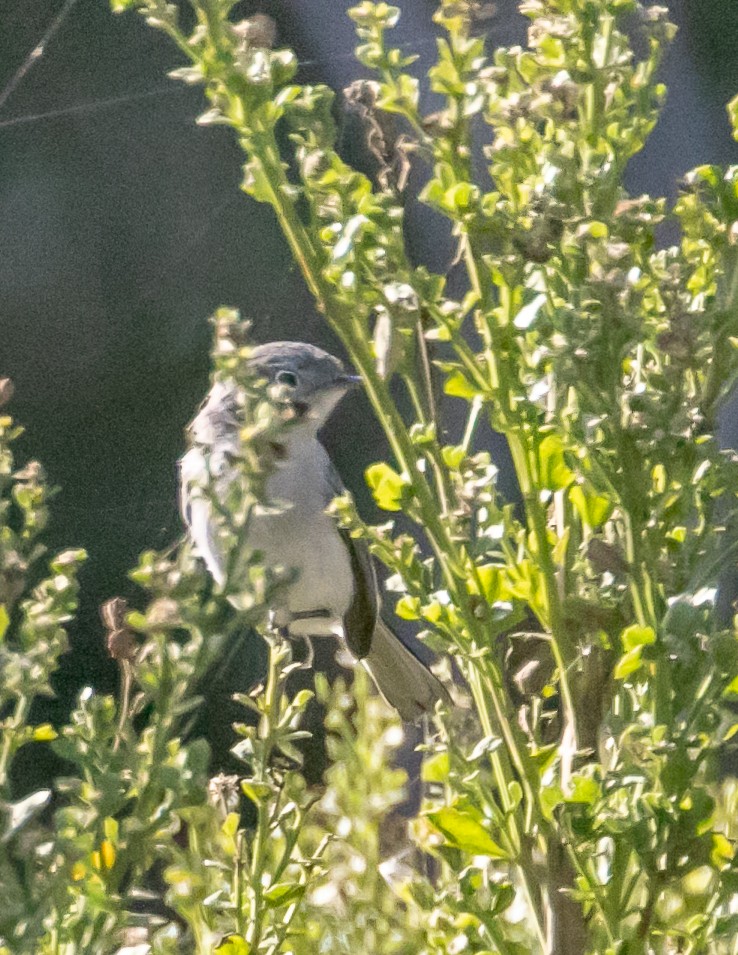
(230, 824)
(723, 850)
(593, 508)
(462, 830)
(4, 620)
(628, 664)
(234, 945)
(282, 893)
(553, 471)
(491, 581)
(458, 386)
(635, 636)
(44, 733)
(732, 688)
(387, 486)
(408, 608)
(435, 768)
(584, 790)
(255, 791)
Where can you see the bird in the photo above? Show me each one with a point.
(335, 589)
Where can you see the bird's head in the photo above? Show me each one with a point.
(313, 381)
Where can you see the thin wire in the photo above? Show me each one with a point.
(36, 53)
(93, 105)
(114, 101)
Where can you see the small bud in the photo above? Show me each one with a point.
(12, 578)
(7, 390)
(565, 90)
(33, 473)
(315, 164)
(223, 792)
(163, 614)
(258, 31)
(388, 345)
(437, 124)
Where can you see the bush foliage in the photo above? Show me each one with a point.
(572, 802)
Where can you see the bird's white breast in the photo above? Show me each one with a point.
(301, 537)
(305, 538)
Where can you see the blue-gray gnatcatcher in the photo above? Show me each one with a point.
(335, 590)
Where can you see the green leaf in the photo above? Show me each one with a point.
(435, 768)
(256, 182)
(551, 797)
(44, 733)
(230, 824)
(453, 455)
(282, 893)
(460, 196)
(68, 558)
(723, 850)
(458, 386)
(4, 621)
(492, 582)
(732, 688)
(593, 509)
(462, 830)
(595, 229)
(733, 114)
(635, 636)
(301, 699)
(377, 15)
(584, 790)
(408, 608)
(628, 664)
(554, 473)
(387, 486)
(234, 945)
(256, 791)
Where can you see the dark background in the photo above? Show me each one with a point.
(122, 228)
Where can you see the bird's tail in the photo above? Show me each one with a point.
(402, 679)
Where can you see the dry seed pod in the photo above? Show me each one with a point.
(121, 642)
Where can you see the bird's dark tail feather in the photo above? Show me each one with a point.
(402, 679)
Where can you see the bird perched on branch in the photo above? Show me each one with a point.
(335, 588)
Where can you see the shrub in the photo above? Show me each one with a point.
(572, 801)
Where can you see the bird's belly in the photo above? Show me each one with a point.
(313, 548)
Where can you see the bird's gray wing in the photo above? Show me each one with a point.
(205, 470)
(360, 619)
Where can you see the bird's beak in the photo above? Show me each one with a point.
(349, 381)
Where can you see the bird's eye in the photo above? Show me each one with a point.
(286, 378)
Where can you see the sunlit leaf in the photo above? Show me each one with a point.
(233, 945)
(628, 664)
(282, 893)
(593, 508)
(463, 830)
(637, 636)
(387, 486)
(554, 472)
(4, 621)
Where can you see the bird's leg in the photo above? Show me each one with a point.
(309, 659)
